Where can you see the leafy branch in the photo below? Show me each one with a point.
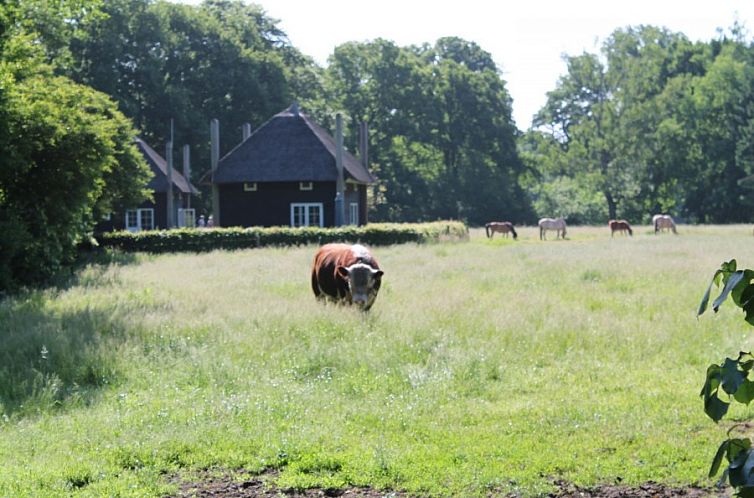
(730, 379)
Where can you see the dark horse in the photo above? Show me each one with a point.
(619, 226)
(500, 226)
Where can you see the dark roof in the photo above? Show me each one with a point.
(290, 147)
(159, 182)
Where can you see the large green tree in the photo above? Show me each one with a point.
(68, 158)
(442, 137)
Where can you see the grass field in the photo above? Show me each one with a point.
(484, 367)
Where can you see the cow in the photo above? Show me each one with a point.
(346, 274)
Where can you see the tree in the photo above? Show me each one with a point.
(68, 157)
(443, 140)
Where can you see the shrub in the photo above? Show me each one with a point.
(198, 240)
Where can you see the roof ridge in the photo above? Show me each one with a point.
(162, 165)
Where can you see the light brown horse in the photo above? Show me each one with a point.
(619, 226)
(503, 227)
(662, 222)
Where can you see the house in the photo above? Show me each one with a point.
(285, 174)
(154, 214)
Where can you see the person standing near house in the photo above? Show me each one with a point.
(210, 222)
(201, 223)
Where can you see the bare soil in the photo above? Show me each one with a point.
(242, 484)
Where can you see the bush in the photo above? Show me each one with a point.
(200, 240)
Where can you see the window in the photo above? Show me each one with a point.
(307, 215)
(249, 186)
(139, 219)
(305, 186)
(353, 210)
(186, 218)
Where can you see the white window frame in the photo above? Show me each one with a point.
(249, 186)
(186, 218)
(307, 207)
(353, 212)
(306, 185)
(140, 218)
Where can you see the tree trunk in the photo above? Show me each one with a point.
(611, 206)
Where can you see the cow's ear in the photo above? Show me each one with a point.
(377, 273)
(342, 271)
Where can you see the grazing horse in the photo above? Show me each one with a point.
(557, 224)
(662, 222)
(500, 226)
(346, 274)
(619, 226)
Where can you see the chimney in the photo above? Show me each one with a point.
(214, 131)
(339, 186)
(246, 131)
(364, 143)
(294, 109)
(169, 193)
(187, 171)
(364, 153)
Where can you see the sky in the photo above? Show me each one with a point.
(527, 38)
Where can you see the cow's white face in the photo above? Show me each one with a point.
(363, 283)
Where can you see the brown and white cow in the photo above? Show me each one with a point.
(346, 274)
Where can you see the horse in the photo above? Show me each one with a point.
(500, 226)
(557, 224)
(619, 226)
(662, 222)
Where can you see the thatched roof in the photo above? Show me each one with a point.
(159, 182)
(290, 147)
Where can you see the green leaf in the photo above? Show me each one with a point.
(736, 446)
(729, 267)
(748, 306)
(715, 408)
(731, 376)
(712, 381)
(733, 280)
(745, 361)
(741, 469)
(745, 392)
(740, 288)
(715, 467)
(705, 298)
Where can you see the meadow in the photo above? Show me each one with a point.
(485, 367)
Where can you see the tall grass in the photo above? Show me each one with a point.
(483, 367)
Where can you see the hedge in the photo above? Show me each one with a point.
(208, 239)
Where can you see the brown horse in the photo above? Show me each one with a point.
(619, 226)
(504, 227)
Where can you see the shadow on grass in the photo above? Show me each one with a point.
(90, 266)
(53, 355)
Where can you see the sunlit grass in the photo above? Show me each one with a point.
(489, 366)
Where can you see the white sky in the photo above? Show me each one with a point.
(525, 37)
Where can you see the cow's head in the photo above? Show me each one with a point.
(363, 283)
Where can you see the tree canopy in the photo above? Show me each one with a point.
(654, 123)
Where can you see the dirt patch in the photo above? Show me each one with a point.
(647, 490)
(243, 484)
